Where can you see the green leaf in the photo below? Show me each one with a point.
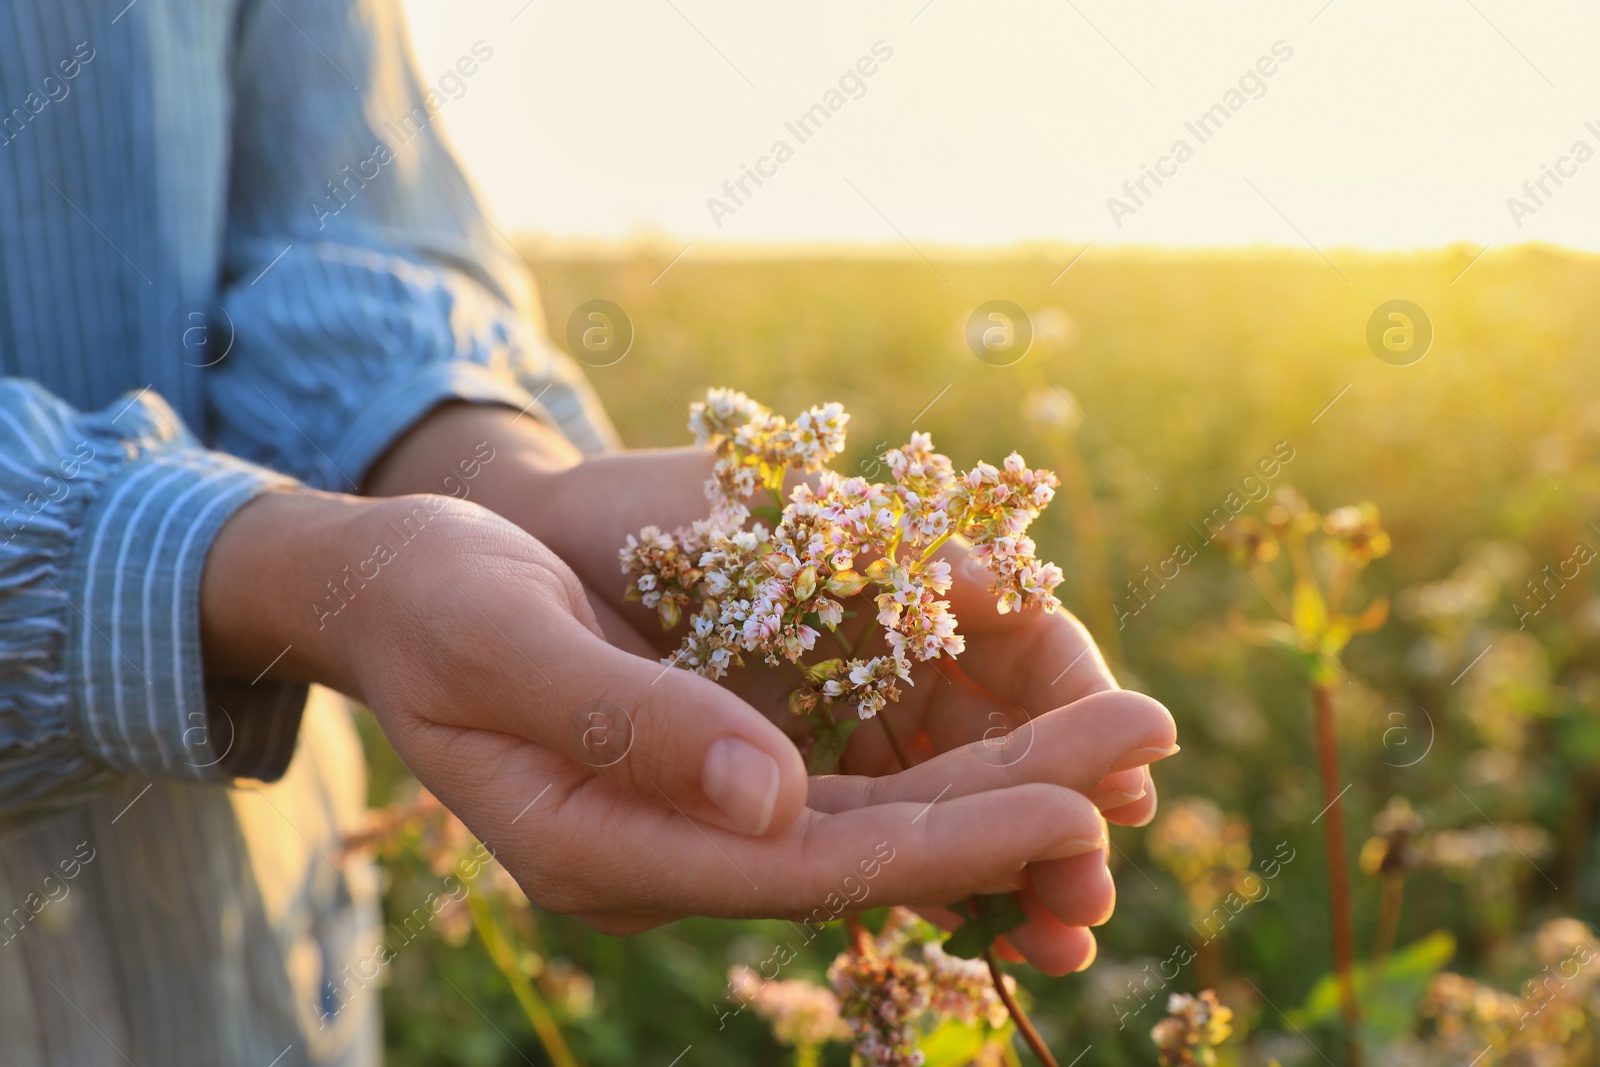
(953, 1044)
(771, 514)
(1390, 1010)
(988, 916)
(827, 746)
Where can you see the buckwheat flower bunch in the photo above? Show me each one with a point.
(888, 984)
(768, 579)
(1192, 1030)
(801, 1015)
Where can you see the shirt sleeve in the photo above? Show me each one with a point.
(364, 283)
(105, 522)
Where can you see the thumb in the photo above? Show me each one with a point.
(668, 734)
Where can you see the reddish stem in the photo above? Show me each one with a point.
(1338, 870)
(1020, 1017)
(860, 940)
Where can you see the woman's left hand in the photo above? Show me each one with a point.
(1030, 701)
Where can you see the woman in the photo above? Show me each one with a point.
(258, 335)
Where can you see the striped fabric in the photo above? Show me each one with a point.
(235, 252)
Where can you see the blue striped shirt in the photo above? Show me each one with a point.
(235, 251)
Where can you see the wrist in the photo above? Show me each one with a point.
(270, 585)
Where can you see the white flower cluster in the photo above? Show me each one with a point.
(756, 448)
(770, 590)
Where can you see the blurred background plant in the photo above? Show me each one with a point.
(1169, 381)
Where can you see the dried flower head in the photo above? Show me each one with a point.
(1249, 541)
(1194, 1027)
(1204, 848)
(1392, 848)
(1548, 1023)
(885, 990)
(1289, 512)
(1355, 530)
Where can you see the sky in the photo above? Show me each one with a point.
(1379, 124)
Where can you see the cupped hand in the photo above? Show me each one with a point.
(1030, 697)
(609, 787)
(1030, 701)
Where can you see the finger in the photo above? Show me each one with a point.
(1141, 811)
(617, 630)
(1078, 891)
(625, 923)
(1039, 661)
(666, 734)
(1075, 747)
(1118, 789)
(581, 844)
(1049, 944)
(822, 867)
(691, 743)
(1003, 949)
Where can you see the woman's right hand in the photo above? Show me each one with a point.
(610, 788)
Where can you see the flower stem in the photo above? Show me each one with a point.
(498, 944)
(1394, 888)
(894, 739)
(867, 633)
(1271, 589)
(937, 544)
(1338, 870)
(1338, 583)
(1020, 1017)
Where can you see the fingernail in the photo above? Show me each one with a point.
(742, 781)
(1076, 847)
(1010, 885)
(1112, 799)
(1141, 757)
